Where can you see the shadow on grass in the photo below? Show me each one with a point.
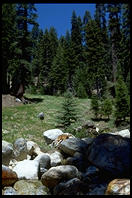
(33, 100)
(122, 123)
(100, 119)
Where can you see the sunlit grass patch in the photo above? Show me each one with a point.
(23, 121)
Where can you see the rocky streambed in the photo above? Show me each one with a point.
(88, 166)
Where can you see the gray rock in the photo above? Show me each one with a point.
(18, 100)
(91, 175)
(9, 191)
(90, 128)
(72, 145)
(12, 164)
(110, 153)
(7, 152)
(44, 160)
(30, 187)
(98, 190)
(123, 133)
(33, 149)
(27, 169)
(91, 170)
(71, 187)
(88, 140)
(78, 161)
(51, 135)
(78, 129)
(56, 158)
(88, 124)
(41, 116)
(59, 173)
(20, 149)
(44, 163)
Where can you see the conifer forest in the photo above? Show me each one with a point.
(92, 59)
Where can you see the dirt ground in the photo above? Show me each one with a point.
(9, 101)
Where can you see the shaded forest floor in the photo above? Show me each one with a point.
(19, 120)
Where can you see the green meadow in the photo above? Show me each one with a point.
(22, 121)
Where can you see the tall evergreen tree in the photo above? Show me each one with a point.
(115, 36)
(53, 41)
(9, 43)
(94, 52)
(59, 71)
(69, 54)
(124, 53)
(106, 107)
(44, 59)
(25, 16)
(37, 35)
(100, 18)
(98, 14)
(87, 17)
(48, 47)
(121, 101)
(76, 45)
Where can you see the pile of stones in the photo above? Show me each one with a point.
(88, 166)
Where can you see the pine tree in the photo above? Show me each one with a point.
(37, 34)
(95, 53)
(45, 61)
(69, 53)
(22, 76)
(68, 113)
(87, 17)
(9, 44)
(121, 100)
(98, 14)
(81, 92)
(128, 82)
(47, 50)
(35, 37)
(115, 35)
(106, 107)
(76, 45)
(80, 83)
(53, 41)
(124, 52)
(95, 105)
(59, 71)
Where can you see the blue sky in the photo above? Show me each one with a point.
(59, 15)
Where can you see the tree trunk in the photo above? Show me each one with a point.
(20, 91)
(5, 87)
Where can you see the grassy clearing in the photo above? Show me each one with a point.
(22, 121)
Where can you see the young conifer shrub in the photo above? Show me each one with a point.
(121, 100)
(68, 113)
(106, 107)
(95, 105)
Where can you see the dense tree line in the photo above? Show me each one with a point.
(16, 45)
(88, 58)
